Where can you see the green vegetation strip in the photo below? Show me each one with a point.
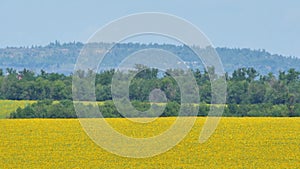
(8, 106)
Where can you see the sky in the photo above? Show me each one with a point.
(268, 24)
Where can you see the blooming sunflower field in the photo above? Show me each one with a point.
(237, 143)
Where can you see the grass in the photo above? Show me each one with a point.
(237, 143)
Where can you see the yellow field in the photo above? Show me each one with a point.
(237, 143)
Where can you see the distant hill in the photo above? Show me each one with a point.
(61, 58)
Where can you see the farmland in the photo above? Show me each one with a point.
(237, 143)
(8, 106)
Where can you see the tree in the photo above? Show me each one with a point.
(237, 91)
(256, 92)
(292, 75)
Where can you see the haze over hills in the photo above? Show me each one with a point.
(61, 58)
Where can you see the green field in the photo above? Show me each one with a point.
(8, 106)
(237, 143)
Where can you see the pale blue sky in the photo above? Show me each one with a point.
(268, 24)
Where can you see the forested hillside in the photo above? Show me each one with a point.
(60, 58)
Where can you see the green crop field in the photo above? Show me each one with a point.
(236, 143)
(8, 106)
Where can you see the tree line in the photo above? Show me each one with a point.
(65, 109)
(248, 92)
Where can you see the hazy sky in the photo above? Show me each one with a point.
(266, 24)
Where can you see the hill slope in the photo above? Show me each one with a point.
(61, 58)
